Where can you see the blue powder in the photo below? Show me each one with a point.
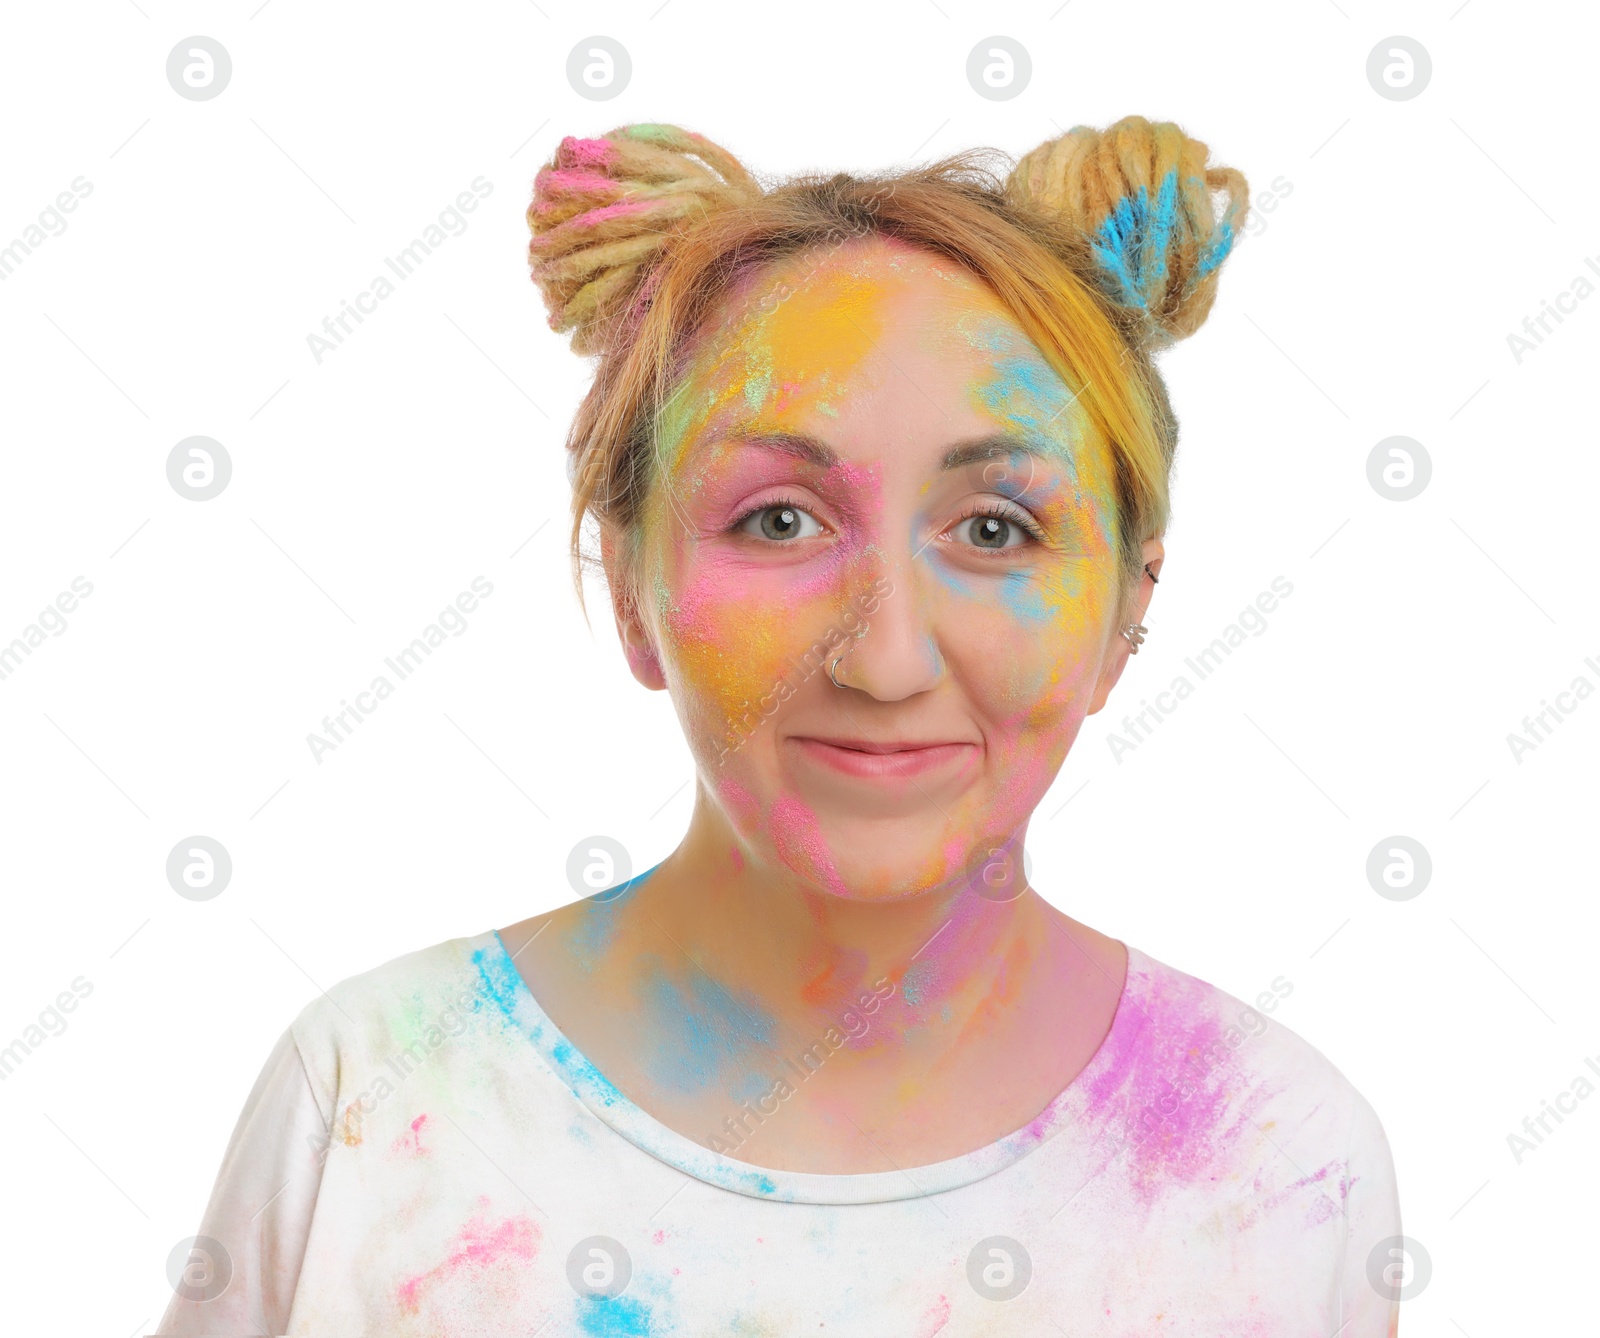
(702, 1028)
(1131, 244)
(914, 981)
(1022, 595)
(580, 1073)
(501, 983)
(591, 939)
(614, 1316)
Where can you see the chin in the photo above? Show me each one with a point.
(875, 858)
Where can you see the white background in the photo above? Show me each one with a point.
(369, 490)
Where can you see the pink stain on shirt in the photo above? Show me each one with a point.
(479, 1244)
(410, 1144)
(934, 1318)
(1172, 1094)
(1326, 1190)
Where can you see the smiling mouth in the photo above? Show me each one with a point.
(869, 760)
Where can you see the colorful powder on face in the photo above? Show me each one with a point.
(829, 322)
(819, 334)
(800, 343)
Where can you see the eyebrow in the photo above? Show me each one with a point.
(805, 447)
(995, 445)
(797, 444)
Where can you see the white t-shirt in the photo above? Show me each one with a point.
(425, 1153)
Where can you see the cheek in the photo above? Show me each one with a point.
(1031, 639)
(1038, 667)
(1051, 614)
(740, 639)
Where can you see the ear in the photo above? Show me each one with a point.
(632, 630)
(1153, 555)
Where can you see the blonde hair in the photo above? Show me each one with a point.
(1104, 245)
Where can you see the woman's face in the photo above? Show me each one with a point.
(869, 460)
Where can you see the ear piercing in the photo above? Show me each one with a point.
(1134, 632)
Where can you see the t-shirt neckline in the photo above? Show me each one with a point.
(510, 992)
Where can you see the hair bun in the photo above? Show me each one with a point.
(603, 208)
(1141, 192)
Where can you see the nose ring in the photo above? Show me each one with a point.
(833, 666)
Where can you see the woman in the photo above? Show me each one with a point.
(878, 473)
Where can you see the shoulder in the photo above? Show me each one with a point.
(436, 990)
(1196, 1053)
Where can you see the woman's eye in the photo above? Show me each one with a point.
(995, 532)
(781, 522)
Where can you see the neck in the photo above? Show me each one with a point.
(716, 979)
(942, 958)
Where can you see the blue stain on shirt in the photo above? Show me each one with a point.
(762, 1184)
(614, 1316)
(503, 986)
(498, 973)
(580, 1073)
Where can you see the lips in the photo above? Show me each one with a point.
(883, 760)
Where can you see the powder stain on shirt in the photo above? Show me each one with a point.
(1147, 1193)
(480, 1245)
(614, 1316)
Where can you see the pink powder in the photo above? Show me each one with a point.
(587, 152)
(410, 1145)
(606, 212)
(479, 1244)
(798, 837)
(934, 1318)
(1167, 1088)
(574, 180)
(739, 802)
(1324, 1205)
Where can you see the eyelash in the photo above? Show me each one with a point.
(994, 510)
(776, 504)
(1013, 515)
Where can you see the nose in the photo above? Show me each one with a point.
(894, 652)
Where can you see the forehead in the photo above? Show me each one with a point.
(858, 338)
